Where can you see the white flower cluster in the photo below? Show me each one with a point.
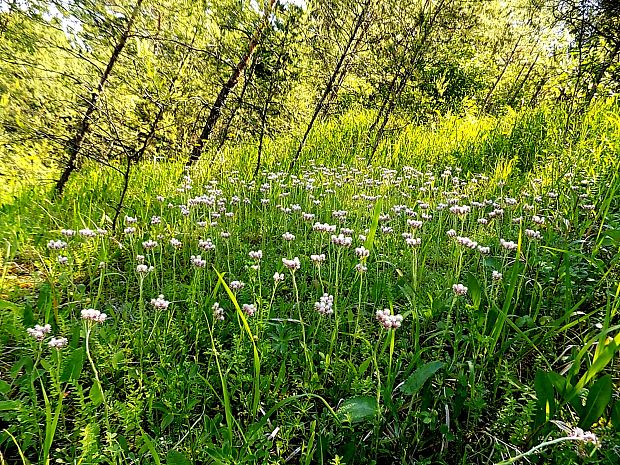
(150, 244)
(387, 320)
(466, 242)
(236, 285)
(249, 309)
(56, 245)
(90, 314)
(342, 240)
(198, 261)
(287, 236)
(533, 234)
(324, 227)
(256, 254)
(325, 304)
(39, 332)
(206, 244)
(174, 242)
(508, 245)
(293, 264)
(459, 289)
(218, 312)
(160, 303)
(58, 342)
(460, 209)
(362, 252)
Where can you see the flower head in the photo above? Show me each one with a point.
(160, 303)
(90, 314)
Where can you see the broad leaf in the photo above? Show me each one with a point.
(417, 379)
(359, 409)
(598, 399)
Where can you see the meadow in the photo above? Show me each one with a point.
(453, 301)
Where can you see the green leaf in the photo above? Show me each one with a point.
(417, 379)
(73, 366)
(475, 292)
(96, 394)
(359, 409)
(615, 416)
(176, 458)
(6, 305)
(598, 399)
(28, 316)
(545, 405)
(9, 405)
(4, 387)
(151, 448)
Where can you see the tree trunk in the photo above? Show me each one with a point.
(601, 73)
(229, 85)
(485, 103)
(328, 87)
(75, 143)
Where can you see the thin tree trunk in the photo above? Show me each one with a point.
(499, 77)
(328, 88)
(229, 85)
(233, 113)
(601, 73)
(519, 86)
(75, 143)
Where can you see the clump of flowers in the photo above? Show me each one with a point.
(198, 261)
(218, 312)
(56, 245)
(508, 245)
(278, 277)
(325, 304)
(206, 244)
(150, 244)
(496, 275)
(236, 285)
(459, 289)
(160, 303)
(387, 320)
(174, 242)
(362, 252)
(342, 240)
(287, 236)
(318, 259)
(249, 309)
(256, 254)
(143, 269)
(293, 264)
(90, 314)
(57, 343)
(532, 234)
(39, 332)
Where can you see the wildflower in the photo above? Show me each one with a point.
(62, 260)
(307, 216)
(155, 220)
(413, 241)
(256, 254)
(236, 285)
(150, 244)
(249, 309)
(483, 249)
(459, 289)
(325, 304)
(318, 259)
(362, 252)
(361, 268)
(497, 276)
(415, 224)
(533, 234)
(482, 221)
(277, 277)
(129, 230)
(140, 258)
(39, 332)
(206, 244)
(218, 312)
(197, 261)
(56, 245)
(341, 239)
(293, 264)
(362, 237)
(101, 231)
(451, 233)
(387, 320)
(201, 224)
(90, 314)
(508, 245)
(58, 343)
(143, 269)
(466, 242)
(324, 227)
(387, 229)
(460, 209)
(160, 198)
(287, 236)
(538, 219)
(225, 234)
(160, 303)
(130, 220)
(67, 232)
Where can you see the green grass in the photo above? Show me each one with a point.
(474, 378)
